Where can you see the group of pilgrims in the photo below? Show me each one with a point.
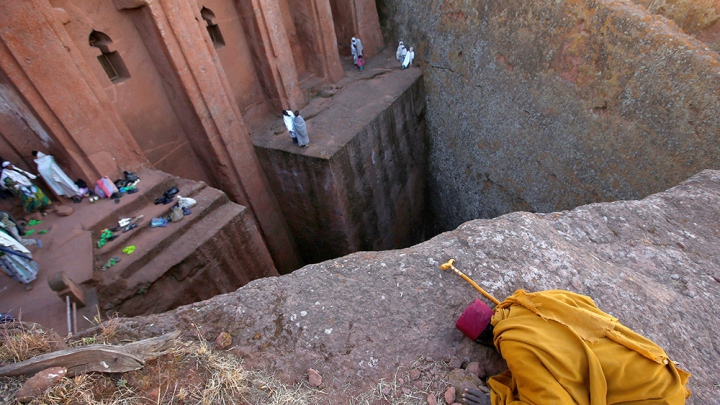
(405, 56)
(15, 258)
(295, 124)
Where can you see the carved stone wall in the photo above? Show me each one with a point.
(114, 85)
(545, 105)
(360, 185)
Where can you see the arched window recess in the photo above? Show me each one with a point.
(111, 61)
(213, 29)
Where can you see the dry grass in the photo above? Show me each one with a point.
(107, 331)
(8, 388)
(20, 341)
(219, 379)
(83, 389)
(227, 382)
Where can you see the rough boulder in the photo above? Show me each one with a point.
(652, 263)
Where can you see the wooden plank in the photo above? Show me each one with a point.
(98, 358)
(106, 359)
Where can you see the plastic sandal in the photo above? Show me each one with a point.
(128, 250)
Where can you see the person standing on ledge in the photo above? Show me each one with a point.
(356, 48)
(409, 56)
(288, 118)
(401, 52)
(54, 176)
(560, 348)
(301, 130)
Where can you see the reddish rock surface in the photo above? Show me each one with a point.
(314, 378)
(699, 18)
(474, 368)
(450, 396)
(64, 210)
(38, 383)
(372, 315)
(223, 341)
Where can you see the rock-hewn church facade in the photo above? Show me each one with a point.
(107, 86)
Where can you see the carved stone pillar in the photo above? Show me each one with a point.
(273, 59)
(357, 18)
(203, 96)
(367, 26)
(323, 38)
(41, 61)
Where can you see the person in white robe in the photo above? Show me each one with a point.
(288, 118)
(54, 176)
(401, 52)
(11, 227)
(17, 261)
(408, 58)
(356, 48)
(19, 182)
(301, 130)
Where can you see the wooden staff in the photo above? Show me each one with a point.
(449, 265)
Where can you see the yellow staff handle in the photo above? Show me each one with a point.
(449, 265)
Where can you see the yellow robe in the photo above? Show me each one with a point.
(561, 349)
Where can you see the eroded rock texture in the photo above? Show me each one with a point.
(547, 105)
(652, 263)
(699, 18)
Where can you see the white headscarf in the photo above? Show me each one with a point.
(401, 51)
(357, 47)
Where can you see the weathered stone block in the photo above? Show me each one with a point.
(360, 185)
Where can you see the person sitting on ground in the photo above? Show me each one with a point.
(18, 182)
(17, 261)
(301, 130)
(54, 176)
(401, 52)
(9, 225)
(409, 56)
(288, 118)
(560, 348)
(356, 48)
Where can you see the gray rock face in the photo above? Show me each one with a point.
(548, 105)
(652, 263)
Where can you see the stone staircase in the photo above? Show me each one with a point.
(216, 249)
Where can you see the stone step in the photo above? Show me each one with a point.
(105, 212)
(149, 211)
(182, 248)
(150, 242)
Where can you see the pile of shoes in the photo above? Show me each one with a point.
(167, 197)
(105, 236)
(128, 224)
(158, 223)
(128, 184)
